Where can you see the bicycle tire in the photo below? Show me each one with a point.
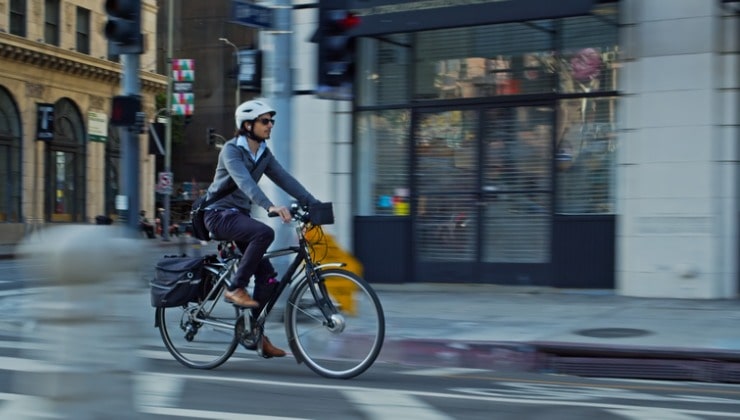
(209, 346)
(339, 353)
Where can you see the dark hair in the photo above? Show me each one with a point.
(241, 131)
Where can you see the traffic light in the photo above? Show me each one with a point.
(124, 110)
(336, 70)
(123, 28)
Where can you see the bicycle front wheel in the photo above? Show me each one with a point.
(349, 343)
(198, 338)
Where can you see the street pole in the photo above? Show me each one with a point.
(236, 77)
(130, 144)
(168, 127)
(278, 89)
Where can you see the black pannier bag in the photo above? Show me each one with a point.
(177, 281)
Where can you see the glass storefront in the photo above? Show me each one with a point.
(482, 135)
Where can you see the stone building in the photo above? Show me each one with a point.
(60, 161)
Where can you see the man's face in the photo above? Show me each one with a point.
(262, 126)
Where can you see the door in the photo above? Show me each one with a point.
(482, 193)
(65, 166)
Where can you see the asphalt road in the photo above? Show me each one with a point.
(253, 388)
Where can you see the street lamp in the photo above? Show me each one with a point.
(236, 77)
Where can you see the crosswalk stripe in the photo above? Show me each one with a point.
(640, 413)
(165, 355)
(388, 404)
(20, 364)
(201, 414)
(22, 345)
(444, 371)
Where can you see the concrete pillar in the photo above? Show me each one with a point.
(678, 185)
(84, 324)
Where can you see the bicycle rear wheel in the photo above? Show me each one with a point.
(196, 339)
(349, 346)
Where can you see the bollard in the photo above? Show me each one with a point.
(84, 321)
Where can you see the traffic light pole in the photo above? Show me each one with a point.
(278, 87)
(130, 147)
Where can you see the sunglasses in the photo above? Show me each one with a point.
(266, 121)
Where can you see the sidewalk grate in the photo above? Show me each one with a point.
(613, 332)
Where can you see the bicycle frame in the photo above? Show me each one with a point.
(223, 270)
(326, 310)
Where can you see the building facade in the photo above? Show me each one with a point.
(570, 144)
(581, 144)
(59, 158)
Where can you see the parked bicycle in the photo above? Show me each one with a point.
(335, 336)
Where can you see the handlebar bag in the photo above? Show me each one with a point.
(177, 281)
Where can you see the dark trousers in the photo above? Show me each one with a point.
(252, 237)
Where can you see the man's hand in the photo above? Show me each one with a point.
(281, 211)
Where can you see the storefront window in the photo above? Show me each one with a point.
(384, 63)
(383, 144)
(509, 128)
(585, 157)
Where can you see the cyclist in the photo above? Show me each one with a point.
(243, 160)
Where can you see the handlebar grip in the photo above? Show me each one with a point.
(272, 214)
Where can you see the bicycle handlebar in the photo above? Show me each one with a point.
(297, 212)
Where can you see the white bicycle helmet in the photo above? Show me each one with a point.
(250, 110)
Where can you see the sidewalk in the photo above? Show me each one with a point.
(579, 332)
(590, 333)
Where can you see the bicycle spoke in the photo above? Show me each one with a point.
(349, 344)
(202, 341)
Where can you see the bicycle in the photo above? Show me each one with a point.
(334, 339)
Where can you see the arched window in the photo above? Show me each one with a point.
(65, 165)
(10, 159)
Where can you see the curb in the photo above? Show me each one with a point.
(577, 359)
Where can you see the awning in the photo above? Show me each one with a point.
(382, 17)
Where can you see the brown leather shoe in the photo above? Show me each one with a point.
(241, 298)
(268, 350)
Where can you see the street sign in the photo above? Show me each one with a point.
(252, 15)
(164, 186)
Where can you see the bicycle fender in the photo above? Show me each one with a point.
(329, 265)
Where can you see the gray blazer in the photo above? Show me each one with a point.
(235, 165)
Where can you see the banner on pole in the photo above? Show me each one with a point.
(183, 76)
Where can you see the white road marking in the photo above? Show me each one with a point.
(513, 400)
(444, 371)
(642, 413)
(20, 364)
(22, 345)
(162, 392)
(201, 414)
(165, 355)
(381, 404)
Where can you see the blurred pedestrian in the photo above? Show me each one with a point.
(145, 225)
